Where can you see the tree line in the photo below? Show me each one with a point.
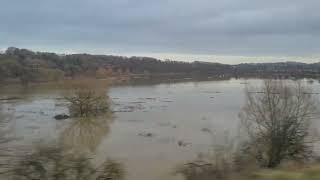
(28, 66)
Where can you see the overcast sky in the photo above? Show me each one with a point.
(227, 31)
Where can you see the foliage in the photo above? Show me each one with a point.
(27, 65)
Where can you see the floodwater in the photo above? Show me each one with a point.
(154, 128)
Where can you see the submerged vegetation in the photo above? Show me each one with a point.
(276, 121)
(56, 163)
(85, 103)
(275, 140)
(86, 99)
(218, 163)
(70, 158)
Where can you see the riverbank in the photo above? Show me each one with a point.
(311, 172)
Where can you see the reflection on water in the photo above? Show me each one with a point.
(171, 115)
(7, 139)
(86, 133)
(217, 163)
(54, 162)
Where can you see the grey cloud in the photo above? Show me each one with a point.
(229, 27)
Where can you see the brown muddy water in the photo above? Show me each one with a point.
(154, 128)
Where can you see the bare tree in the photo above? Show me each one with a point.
(87, 98)
(277, 120)
(85, 103)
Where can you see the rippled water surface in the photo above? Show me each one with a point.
(154, 128)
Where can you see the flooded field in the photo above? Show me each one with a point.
(152, 130)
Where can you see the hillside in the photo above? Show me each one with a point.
(33, 66)
(25, 65)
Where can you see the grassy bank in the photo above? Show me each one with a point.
(305, 173)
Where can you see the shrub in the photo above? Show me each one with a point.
(276, 119)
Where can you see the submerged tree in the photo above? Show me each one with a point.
(277, 119)
(87, 98)
(86, 103)
(56, 163)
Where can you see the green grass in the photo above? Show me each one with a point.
(308, 173)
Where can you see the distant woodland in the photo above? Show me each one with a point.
(23, 65)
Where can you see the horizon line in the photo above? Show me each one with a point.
(188, 58)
